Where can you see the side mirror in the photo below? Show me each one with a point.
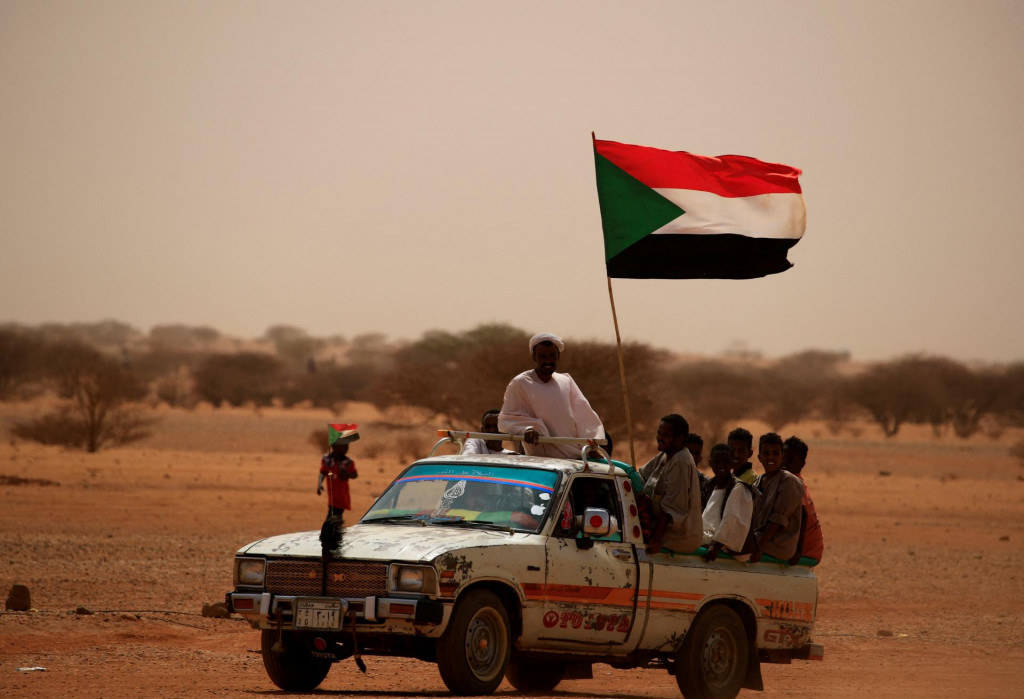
(596, 522)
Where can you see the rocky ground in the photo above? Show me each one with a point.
(919, 588)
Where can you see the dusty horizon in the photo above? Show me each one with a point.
(349, 167)
(738, 350)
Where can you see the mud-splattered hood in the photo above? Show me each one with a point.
(389, 542)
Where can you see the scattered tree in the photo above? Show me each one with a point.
(712, 395)
(454, 376)
(237, 379)
(794, 387)
(99, 392)
(17, 360)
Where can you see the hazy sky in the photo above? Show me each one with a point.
(351, 167)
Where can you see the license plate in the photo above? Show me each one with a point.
(318, 614)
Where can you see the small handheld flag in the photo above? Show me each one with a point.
(339, 433)
(676, 215)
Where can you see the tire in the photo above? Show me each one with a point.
(712, 661)
(534, 675)
(474, 650)
(294, 670)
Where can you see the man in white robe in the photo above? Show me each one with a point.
(543, 403)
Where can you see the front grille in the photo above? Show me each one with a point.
(344, 578)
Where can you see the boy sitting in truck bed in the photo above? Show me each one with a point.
(777, 513)
(812, 541)
(729, 511)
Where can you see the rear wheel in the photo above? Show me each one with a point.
(474, 650)
(293, 667)
(712, 661)
(534, 675)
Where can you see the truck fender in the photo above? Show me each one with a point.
(748, 615)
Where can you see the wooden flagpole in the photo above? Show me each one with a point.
(622, 376)
(618, 344)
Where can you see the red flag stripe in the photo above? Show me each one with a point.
(725, 175)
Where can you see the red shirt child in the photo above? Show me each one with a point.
(338, 469)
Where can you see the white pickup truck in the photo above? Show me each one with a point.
(520, 567)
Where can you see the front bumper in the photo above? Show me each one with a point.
(269, 611)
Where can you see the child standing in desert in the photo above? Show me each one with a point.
(337, 468)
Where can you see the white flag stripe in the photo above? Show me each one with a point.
(761, 216)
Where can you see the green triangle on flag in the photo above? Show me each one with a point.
(630, 210)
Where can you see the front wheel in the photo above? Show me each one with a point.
(712, 661)
(293, 667)
(473, 652)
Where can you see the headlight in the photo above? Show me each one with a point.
(250, 571)
(414, 579)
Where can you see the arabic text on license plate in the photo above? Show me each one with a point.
(317, 614)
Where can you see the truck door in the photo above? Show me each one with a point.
(590, 591)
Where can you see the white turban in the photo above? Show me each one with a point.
(546, 337)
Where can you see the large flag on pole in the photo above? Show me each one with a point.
(676, 215)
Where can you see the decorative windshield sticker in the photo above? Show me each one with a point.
(450, 495)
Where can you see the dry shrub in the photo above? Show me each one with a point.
(18, 351)
(177, 389)
(237, 379)
(67, 428)
(58, 428)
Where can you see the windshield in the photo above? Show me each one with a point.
(516, 498)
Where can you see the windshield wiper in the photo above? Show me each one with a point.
(395, 518)
(472, 522)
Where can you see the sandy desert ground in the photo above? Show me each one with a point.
(920, 588)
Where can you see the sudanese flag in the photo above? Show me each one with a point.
(338, 433)
(676, 215)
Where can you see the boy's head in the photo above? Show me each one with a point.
(339, 449)
(489, 421)
(794, 455)
(695, 445)
(741, 442)
(672, 431)
(769, 452)
(720, 460)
